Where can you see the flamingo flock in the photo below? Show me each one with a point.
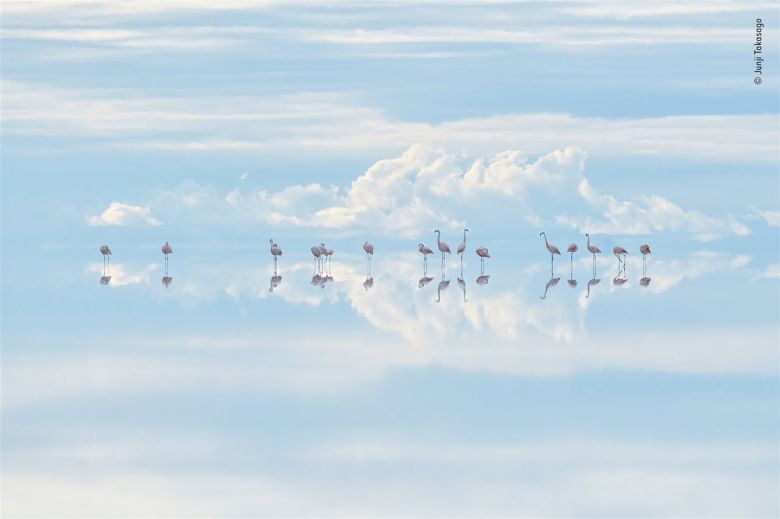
(619, 252)
(323, 258)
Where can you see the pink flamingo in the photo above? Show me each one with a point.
(443, 247)
(645, 250)
(369, 254)
(275, 250)
(571, 250)
(618, 251)
(327, 255)
(106, 252)
(483, 254)
(593, 250)
(552, 248)
(462, 247)
(316, 251)
(166, 249)
(424, 251)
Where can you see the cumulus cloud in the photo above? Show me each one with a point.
(426, 186)
(771, 217)
(120, 213)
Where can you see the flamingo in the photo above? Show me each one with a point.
(316, 251)
(593, 250)
(550, 284)
(442, 286)
(571, 250)
(443, 247)
(106, 252)
(424, 251)
(645, 250)
(552, 248)
(275, 250)
(327, 253)
(166, 249)
(462, 246)
(483, 254)
(618, 251)
(369, 254)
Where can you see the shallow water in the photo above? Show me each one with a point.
(399, 397)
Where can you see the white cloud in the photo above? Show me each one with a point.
(121, 275)
(771, 272)
(771, 217)
(427, 186)
(119, 213)
(626, 10)
(574, 36)
(330, 123)
(652, 214)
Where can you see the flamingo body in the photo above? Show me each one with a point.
(482, 252)
(368, 248)
(166, 249)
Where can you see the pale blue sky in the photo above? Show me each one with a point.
(218, 125)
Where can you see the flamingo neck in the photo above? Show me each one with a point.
(545, 238)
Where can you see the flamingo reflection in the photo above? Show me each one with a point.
(424, 281)
(483, 280)
(105, 280)
(462, 286)
(442, 286)
(166, 281)
(592, 283)
(368, 283)
(548, 286)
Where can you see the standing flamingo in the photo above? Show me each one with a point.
(316, 251)
(424, 251)
(327, 254)
(571, 250)
(593, 250)
(166, 249)
(106, 252)
(275, 250)
(645, 250)
(443, 247)
(462, 247)
(369, 254)
(618, 251)
(552, 248)
(483, 254)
